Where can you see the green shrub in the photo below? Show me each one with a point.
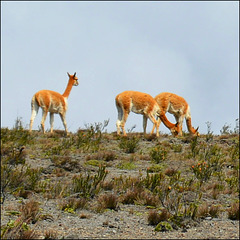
(129, 144)
(202, 171)
(177, 147)
(90, 138)
(128, 165)
(209, 135)
(94, 163)
(17, 134)
(194, 146)
(88, 186)
(158, 154)
(163, 227)
(155, 168)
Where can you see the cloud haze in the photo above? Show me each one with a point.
(188, 48)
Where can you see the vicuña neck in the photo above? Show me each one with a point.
(166, 122)
(189, 126)
(68, 89)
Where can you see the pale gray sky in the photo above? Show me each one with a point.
(188, 48)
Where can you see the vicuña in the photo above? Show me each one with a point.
(139, 103)
(176, 105)
(52, 102)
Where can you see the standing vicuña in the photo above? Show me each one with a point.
(176, 105)
(137, 102)
(52, 102)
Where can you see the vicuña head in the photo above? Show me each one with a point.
(52, 102)
(176, 105)
(137, 102)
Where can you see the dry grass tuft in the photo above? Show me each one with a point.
(72, 203)
(109, 201)
(50, 234)
(30, 211)
(203, 211)
(150, 137)
(154, 217)
(102, 155)
(170, 171)
(233, 211)
(131, 195)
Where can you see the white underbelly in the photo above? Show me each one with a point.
(176, 112)
(136, 110)
(56, 109)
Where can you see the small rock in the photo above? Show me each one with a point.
(105, 224)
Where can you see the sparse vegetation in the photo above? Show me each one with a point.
(129, 144)
(158, 154)
(173, 180)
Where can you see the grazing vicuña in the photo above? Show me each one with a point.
(176, 105)
(140, 103)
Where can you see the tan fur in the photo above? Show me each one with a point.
(139, 103)
(52, 102)
(176, 105)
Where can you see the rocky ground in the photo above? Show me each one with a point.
(127, 221)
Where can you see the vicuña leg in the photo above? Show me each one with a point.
(122, 118)
(125, 117)
(180, 119)
(51, 121)
(154, 121)
(34, 114)
(44, 115)
(119, 120)
(63, 117)
(35, 109)
(145, 118)
(158, 124)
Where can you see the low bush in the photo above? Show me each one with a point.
(129, 144)
(158, 154)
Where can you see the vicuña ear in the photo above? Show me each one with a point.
(68, 74)
(74, 74)
(197, 129)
